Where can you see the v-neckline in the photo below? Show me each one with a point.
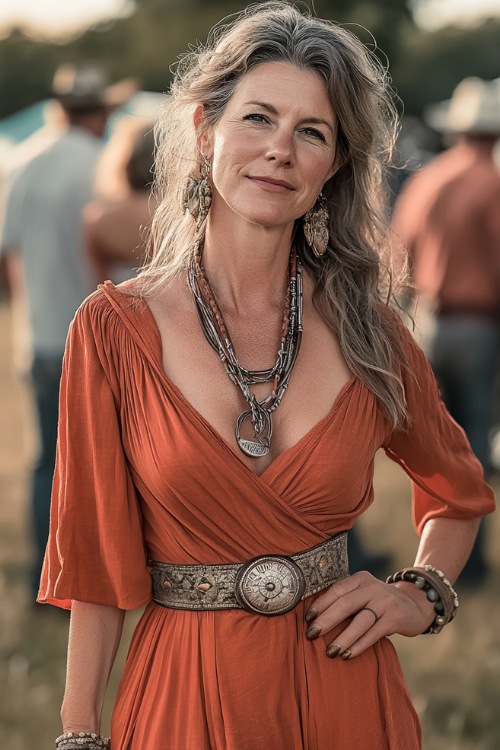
(230, 449)
(156, 351)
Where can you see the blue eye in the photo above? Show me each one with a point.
(315, 134)
(255, 117)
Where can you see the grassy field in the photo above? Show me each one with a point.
(454, 678)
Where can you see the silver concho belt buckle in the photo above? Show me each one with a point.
(269, 585)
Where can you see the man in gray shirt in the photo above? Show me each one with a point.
(43, 245)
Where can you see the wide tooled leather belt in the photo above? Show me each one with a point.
(265, 585)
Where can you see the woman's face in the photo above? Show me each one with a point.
(274, 146)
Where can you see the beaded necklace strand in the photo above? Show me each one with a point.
(215, 331)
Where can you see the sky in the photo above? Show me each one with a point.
(60, 17)
(435, 13)
(54, 17)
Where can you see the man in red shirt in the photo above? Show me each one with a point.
(448, 217)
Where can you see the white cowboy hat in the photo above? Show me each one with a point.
(473, 108)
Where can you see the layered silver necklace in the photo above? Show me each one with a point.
(217, 335)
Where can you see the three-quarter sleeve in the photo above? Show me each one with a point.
(95, 551)
(447, 479)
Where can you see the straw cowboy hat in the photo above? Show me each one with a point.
(473, 108)
(85, 87)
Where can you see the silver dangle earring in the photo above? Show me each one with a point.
(197, 197)
(315, 224)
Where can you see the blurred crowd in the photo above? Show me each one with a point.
(76, 203)
(75, 213)
(447, 216)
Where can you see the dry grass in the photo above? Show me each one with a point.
(454, 678)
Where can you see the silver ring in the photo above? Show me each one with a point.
(369, 609)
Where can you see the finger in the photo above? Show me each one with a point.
(347, 606)
(363, 631)
(333, 593)
(350, 648)
(339, 612)
(372, 611)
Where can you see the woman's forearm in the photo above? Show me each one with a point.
(94, 636)
(446, 543)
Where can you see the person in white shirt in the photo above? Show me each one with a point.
(42, 241)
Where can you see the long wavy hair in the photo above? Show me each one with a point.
(352, 280)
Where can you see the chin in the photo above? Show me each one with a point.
(266, 218)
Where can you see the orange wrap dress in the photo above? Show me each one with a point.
(141, 474)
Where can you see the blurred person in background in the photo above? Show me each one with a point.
(417, 144)
(47, 268)
(189, 481)
(13, 158)
(448, 217)
(117, 220)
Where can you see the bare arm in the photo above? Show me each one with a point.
(14, 274)
(99, 260)
(13, 265)
(94, 636)
(446, 543)
(401, 607)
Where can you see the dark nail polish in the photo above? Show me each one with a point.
(333, 650)
(311, 615)
(346, 655)
(313, 632)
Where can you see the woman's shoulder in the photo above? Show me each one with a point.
(109, 304)
(115, 323)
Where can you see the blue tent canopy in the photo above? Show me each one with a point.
(22, 124)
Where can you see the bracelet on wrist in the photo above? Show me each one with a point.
(438, 590)
(82, 741)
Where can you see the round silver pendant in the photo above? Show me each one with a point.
(269, 585)
(260, 446)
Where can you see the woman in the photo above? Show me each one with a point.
(272, 148)
(115, 222)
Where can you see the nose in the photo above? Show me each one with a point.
(280, 147)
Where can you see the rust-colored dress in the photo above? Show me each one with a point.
(140, 474)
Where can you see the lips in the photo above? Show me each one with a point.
(272, 182)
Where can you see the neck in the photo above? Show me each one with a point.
(92, 121)
(247, 265)
(482, 144)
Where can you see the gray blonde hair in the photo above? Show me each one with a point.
(352, 284)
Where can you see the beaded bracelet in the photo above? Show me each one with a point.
(82, 741)
(438, 590)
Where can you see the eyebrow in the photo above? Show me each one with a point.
(272, 110)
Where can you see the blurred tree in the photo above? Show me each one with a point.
(424, 66)
(432, 64)
(25, 71)
(379, 25)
